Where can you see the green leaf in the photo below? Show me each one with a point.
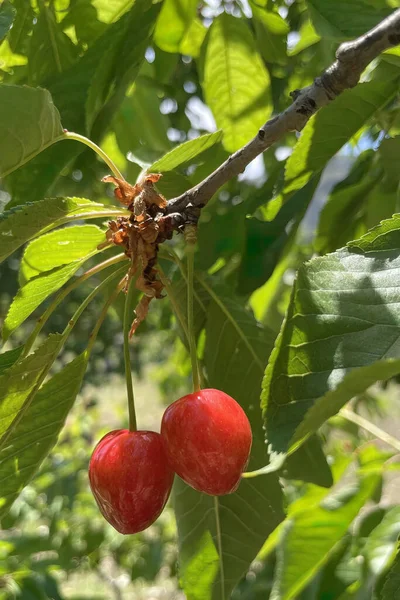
(83, 16)
(309, 537)
(346, 204)
(139, 126)
(271, 34)
(335, 124)
(266, 240)
(175, 18)
(37, 431)
(109, 11)
(23, 223)
(121, 64)
(341, 20)
(193, 39)
(309, 464)
(234, 354)
(70, 92)
(185, 152)
(245, 519)
(22, 26)
(18, 384)
(7, 359)
(50, 51)
(382, 542)
(7, 15)
(340, 336)
(25, 133)
(34, 292)
(235, 81)
(60, 247)
(391, 586)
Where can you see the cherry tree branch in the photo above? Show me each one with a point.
(351, 60)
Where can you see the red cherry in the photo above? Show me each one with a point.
(208, 440)
(130, 478)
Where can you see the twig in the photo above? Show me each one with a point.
(349, 415)
(351, 60)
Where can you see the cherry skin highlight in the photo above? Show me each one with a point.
(130, 478)
(208, 439)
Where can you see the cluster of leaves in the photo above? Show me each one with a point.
(137, 77)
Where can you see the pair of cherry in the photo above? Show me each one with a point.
(205, 438)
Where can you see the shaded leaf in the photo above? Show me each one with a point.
(340, 336)
(340, 20)
(121, 63)
(21, 224)
(50, 49)
(58, 248)
(36, 433)
(22, 26)
(7, 16)
(185, 152)
(309, 464)
(266, 240)
(140, 128)
(7, 359)
(18, 384)
(235, 81)
(29, 123)
(347, 201)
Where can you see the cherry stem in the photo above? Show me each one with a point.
(70, 135)
(128, 311)
(63, 294)
(190, 238)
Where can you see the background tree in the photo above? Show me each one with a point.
(212, 97)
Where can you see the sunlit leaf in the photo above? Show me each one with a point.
(391, 586)
(235, 81)
(35, 291)
(310, 536)
(174, 21)
(271, 32)
(185, 152)
(21, 224)
(60, 247)
(382, 541)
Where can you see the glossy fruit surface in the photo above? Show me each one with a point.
(208, 440)
(130, 478)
